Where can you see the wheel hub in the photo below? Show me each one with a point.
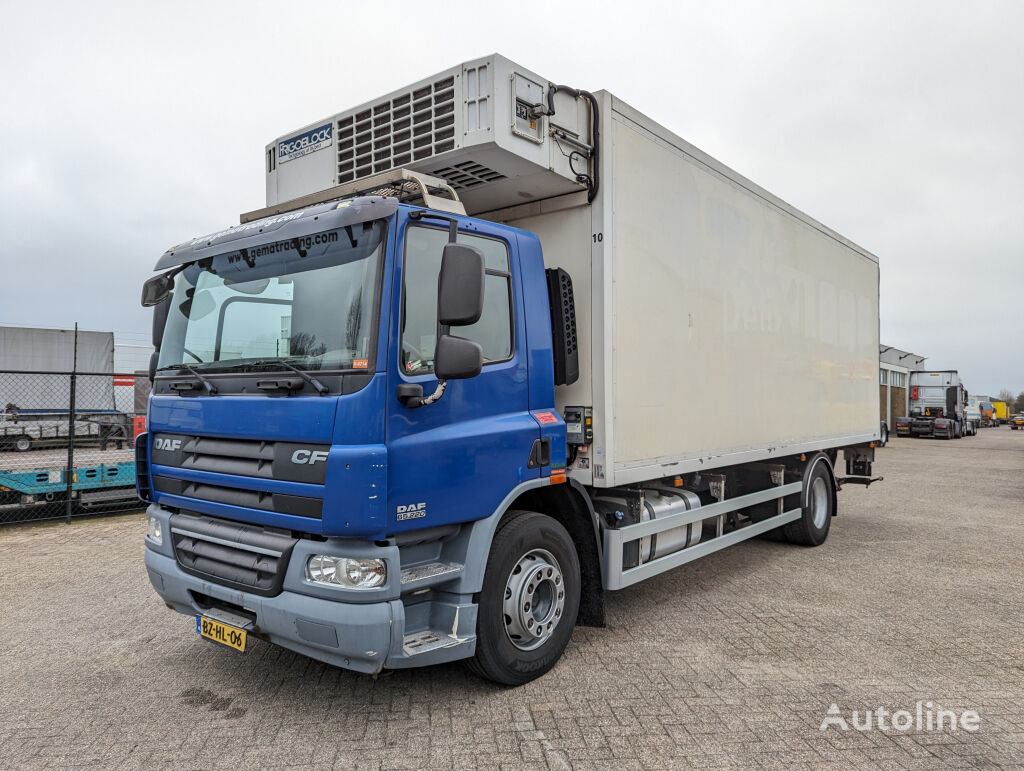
(534, 599)
(819, 502)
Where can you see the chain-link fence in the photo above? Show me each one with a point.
(66, 443)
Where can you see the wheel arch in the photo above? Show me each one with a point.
(566, 503)
(569, 505)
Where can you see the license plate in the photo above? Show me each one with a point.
(220, 633)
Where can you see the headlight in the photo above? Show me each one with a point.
(156, 534)
(349, 572)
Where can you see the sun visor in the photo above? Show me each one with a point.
(280, 227)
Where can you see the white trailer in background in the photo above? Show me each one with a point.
(35, 388)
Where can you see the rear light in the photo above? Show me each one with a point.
(913, 393)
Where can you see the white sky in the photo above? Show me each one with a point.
(126, 128)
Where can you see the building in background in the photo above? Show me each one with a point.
(894, 368)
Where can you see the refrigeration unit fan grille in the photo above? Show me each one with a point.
(393, 133)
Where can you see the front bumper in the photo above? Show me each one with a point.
(414, 619)
(354, 636)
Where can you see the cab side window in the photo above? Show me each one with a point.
(423, 250)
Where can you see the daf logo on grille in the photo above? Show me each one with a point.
(167, 444)
(309, 456)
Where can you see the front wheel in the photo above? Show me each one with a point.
(22, 443)
(529, 602)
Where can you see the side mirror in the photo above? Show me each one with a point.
(457, 358)
(460, 286)
(156, 289)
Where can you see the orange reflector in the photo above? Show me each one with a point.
(557, 477)
(803, 457)
(871, 445)
(677, 482)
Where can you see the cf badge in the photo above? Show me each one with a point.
(309, 456)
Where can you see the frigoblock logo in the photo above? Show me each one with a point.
(411, 511)
(166, 444)
(305, 143)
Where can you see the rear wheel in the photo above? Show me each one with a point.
(816, 517)
(529, 602)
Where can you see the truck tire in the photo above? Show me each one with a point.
(812, 527)
(530, 598)
(22, 443)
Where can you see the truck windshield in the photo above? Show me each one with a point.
(312, 300)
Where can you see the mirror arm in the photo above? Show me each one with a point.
(411, 394)
(438, 393)
(453, 224)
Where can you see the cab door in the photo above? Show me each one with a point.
(455, 460)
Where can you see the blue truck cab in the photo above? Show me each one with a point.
(306, 470)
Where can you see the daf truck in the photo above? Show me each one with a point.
(450, 387)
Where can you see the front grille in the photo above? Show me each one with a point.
(282, 503)
(229, 456)
(395, 132)
(258, 458)
(231, 554)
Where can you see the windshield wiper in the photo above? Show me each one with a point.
(320, 387)
(211, 389)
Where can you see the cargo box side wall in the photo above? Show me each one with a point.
(739, 329)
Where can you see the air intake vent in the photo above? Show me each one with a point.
(462, 176)
(410, 127)
(563, 326)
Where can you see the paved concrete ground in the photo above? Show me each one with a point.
(731, 661)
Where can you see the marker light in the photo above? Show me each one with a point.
(348, 572)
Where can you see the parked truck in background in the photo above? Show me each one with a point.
(937, 406)
(972, 411)
(1002, 412)
(988, 413)
(445, 391)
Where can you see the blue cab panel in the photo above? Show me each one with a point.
(390, 468)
